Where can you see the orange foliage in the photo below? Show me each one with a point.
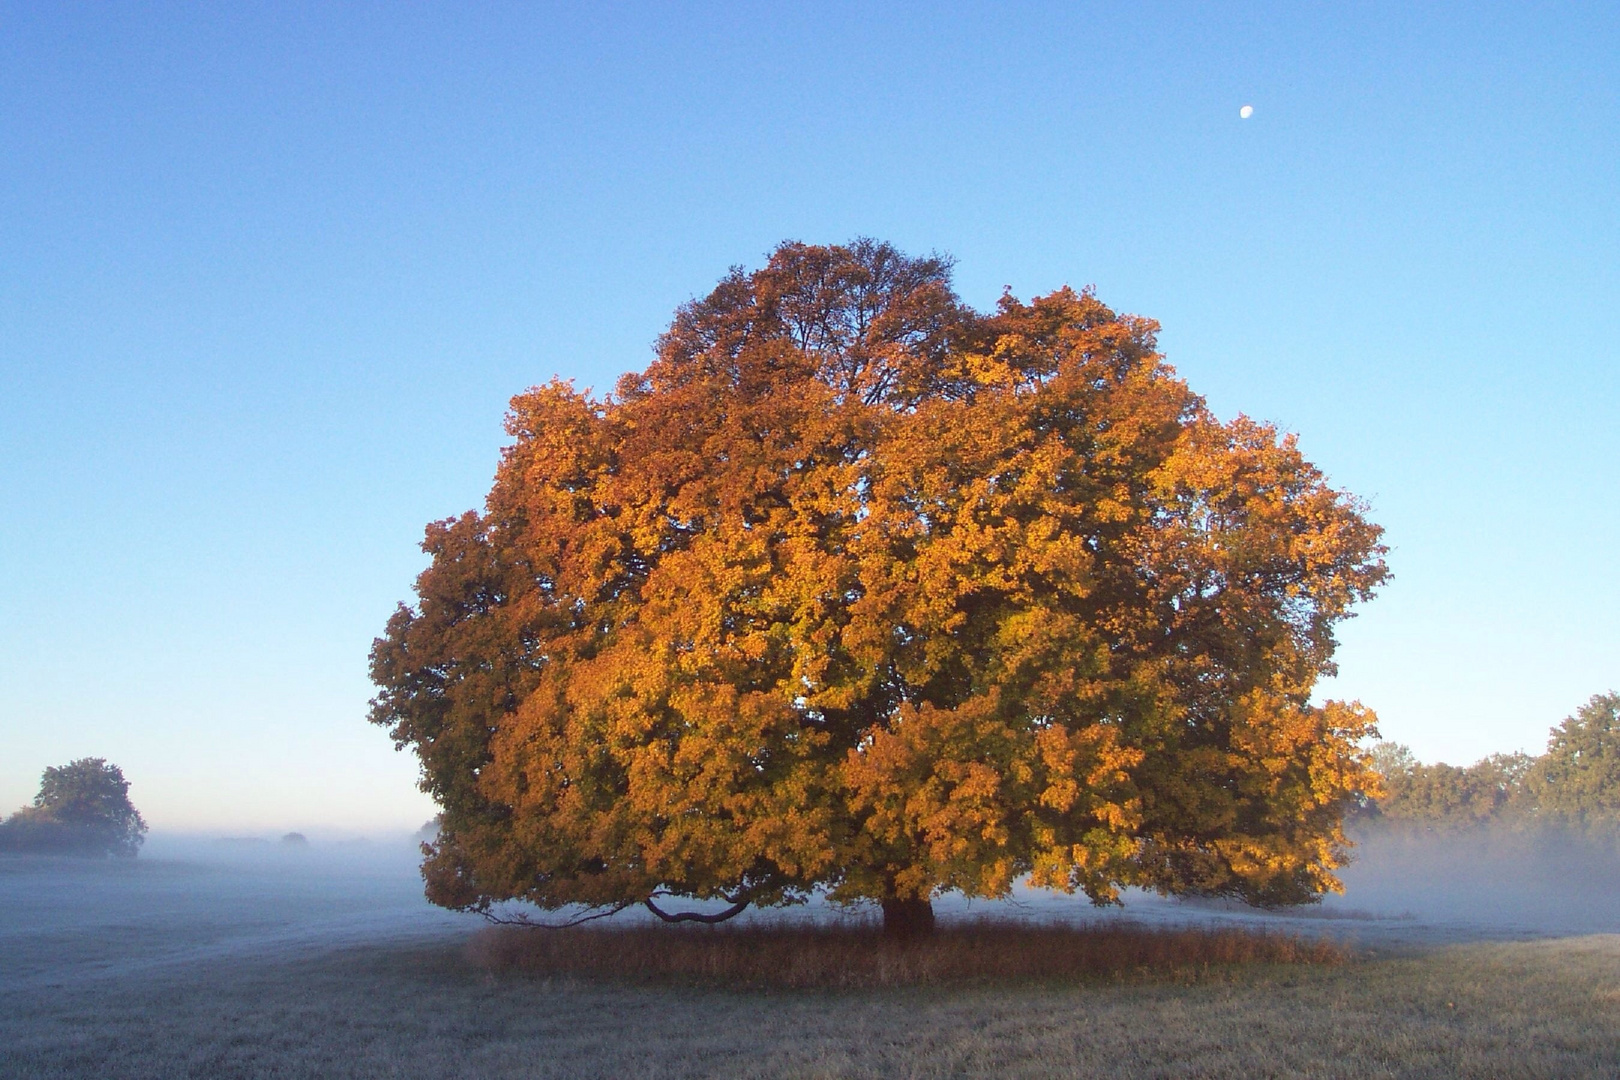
(857, 589)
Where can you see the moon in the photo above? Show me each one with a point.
(1246, 112)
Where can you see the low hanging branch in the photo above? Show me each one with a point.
(696, 916)
(522, 919)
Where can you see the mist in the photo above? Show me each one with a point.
(198, 899)
(1498, 881)
(195, 899)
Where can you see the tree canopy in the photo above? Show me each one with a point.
(82, 808)
(857, 589)
(1578, 779)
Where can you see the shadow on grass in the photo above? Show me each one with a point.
(861, 957)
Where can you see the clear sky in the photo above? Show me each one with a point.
(270, 272)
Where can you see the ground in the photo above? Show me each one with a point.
(216, 962)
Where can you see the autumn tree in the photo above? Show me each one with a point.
(83, 808)
(856, 589)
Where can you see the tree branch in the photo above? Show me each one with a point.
(696, 916)
(522, 919)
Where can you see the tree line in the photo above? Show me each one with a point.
(1576, 782)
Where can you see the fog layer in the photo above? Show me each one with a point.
(195, 900)
(208, 901)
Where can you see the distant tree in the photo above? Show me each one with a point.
(858, 589)
(1393, 763)
(82, 808)
(1577, 781)
(295, 839)
(1448, 796)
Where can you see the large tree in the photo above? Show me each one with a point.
(82, 808)
(857, 589)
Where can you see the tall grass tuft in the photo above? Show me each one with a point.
(857, 957)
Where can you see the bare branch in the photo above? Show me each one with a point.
(696, 916)
(522, 919)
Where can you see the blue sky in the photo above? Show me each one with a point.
(269, 273)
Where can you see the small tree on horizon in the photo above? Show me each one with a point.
(856, 589)
(82, 808)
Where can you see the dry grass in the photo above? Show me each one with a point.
(862, 958)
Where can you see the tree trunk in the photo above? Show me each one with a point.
(907, 919)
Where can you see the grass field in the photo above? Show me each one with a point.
(176, 969)
(1521, 1009)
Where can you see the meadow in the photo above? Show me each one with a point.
(225, 962)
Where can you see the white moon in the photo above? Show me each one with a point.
(1246, 112)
